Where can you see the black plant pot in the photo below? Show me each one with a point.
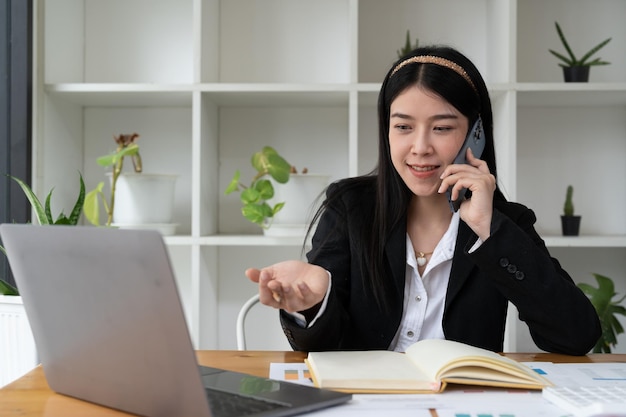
(576, 74)
(570, 225)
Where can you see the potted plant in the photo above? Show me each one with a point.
(136, 199)
(570, 223)
(43, 214)
(574, 69)
(20, 352)
(607, 309)
(407, 45)
(279, 208)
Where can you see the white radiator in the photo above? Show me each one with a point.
(18, 354)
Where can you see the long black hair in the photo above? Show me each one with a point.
(452, 76)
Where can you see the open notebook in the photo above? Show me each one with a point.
(109, 327)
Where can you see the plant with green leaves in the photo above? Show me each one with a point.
(5, 288)
(126, 146)
(607, 309)
(571, 60)
(43, 213)
(407, 45)
(255, 196)
(568, 206)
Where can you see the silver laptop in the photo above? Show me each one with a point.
(109, 328)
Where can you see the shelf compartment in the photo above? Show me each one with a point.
(584, 23)
(478, 28)
(118, 41)
(582, 146)
(282, 41)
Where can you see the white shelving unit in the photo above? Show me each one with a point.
(208, 82)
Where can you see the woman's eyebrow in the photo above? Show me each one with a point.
(434, 117)
(401, 115)
(445, 116)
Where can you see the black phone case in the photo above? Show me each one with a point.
(475, 140)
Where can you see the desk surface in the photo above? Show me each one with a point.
(30, 395)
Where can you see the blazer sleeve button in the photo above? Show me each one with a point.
(504, 262)
(519, 275)
(511, 268)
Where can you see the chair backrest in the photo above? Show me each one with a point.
(241, 321)
(258, 327)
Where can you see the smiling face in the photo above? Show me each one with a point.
(425, 135)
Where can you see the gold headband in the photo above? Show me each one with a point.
(430, 59)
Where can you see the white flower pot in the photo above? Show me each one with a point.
(18, 353)
(145, 201)
(300, 195)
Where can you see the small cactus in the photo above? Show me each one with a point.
(407, 45)
(568, 207)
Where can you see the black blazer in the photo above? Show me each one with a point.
(512, 265)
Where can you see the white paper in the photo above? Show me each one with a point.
(582, 374)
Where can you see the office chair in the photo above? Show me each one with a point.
(241, 321)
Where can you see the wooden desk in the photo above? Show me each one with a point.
(30, 395)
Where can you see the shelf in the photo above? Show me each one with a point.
(275, 95)
(230, 94)
(123, 95)
(180, 95)
(571, 94)
(261, 240)
(234, 240)
(585, 241)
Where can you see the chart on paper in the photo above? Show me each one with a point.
(582, 374)
(292, 372)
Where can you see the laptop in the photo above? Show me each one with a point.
(110, 329)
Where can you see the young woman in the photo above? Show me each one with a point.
(392, 263)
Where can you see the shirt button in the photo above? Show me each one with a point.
(418, 298)
(410, 334)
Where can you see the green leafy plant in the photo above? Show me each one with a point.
(126, 146)
(5, 288)
(254, 196)
(407, 45)
(568, 206)
(571, 60)
(607, 309)
(43, 213)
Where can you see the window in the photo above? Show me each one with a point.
(15, 112)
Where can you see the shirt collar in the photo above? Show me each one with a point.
(444, 250)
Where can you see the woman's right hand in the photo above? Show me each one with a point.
(291, 285)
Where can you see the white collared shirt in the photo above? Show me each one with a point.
(425, 296)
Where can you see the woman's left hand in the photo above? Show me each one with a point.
(476, 177)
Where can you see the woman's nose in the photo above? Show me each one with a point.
(421, 143)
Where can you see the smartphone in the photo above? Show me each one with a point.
(475, 140)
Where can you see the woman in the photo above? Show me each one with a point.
(391, 262)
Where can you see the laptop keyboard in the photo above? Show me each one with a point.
(226, 404)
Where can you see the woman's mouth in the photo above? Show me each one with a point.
(423, 168)
(424, 172)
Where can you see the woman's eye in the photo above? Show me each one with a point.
(442, 128)
(403, 127)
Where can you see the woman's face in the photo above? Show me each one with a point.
(425, 135)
